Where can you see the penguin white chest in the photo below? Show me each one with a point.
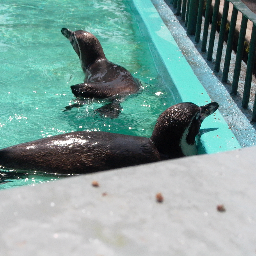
(187, 149)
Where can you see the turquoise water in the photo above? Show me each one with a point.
(39, 65)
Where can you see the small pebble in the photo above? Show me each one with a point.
(221, 208)
(95, 183)
(159, 198)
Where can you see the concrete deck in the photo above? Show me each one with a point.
(122, 216)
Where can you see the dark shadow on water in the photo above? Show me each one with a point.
(110, 110)
(203, 131)
(8, 176)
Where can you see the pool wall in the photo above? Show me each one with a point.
(183, 84)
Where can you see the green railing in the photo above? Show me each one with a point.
(193, 11)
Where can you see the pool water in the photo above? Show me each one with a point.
(39, 66)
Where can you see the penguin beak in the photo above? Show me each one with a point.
(208, 110)
(66, 32)
(70, 35)
(204, 112)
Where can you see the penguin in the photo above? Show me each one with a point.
(92, 151)
(103, 79)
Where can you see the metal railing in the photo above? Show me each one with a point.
(193, 11)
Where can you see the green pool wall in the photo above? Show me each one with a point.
(183, 84)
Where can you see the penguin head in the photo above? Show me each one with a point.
(86, 45)
(176, 129)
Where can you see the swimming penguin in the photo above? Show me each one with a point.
(103, 79)
(85, 152)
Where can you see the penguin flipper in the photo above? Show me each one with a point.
(87, 90)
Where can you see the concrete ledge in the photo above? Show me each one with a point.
(122, 217)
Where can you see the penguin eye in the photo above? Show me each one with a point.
(207, 111)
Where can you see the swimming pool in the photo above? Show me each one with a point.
(40, 65)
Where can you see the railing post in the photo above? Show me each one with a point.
(186, 21)
(213, 29)
(250, 64)
(175, 3)
(178, 7)
(221, 36)
(206, 25)
(229, 45)
(183, 10)
(192, 16)
(199, 21)
(239, 53)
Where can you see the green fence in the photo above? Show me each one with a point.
(193, 11)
